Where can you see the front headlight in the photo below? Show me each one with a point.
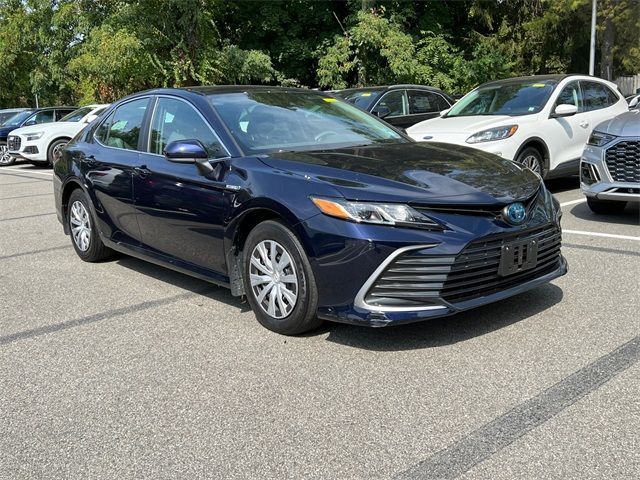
(378, 213)
(497, 133)
(599, 139)
(34, 136)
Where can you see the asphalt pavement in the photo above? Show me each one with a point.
(124, 369)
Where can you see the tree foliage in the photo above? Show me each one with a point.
(78, 51)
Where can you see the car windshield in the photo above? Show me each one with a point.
(17, 119)
(76, 115)
(360, 98)
(262, 121)
(512, 98)
(4, 116)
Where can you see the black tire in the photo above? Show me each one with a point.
(530, 157)
(303, 315)
(605, 206)
(95, 250)
(53, 151)
(5, 158)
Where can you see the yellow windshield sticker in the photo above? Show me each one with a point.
(330, 100)
(365, 94)
(539, 85)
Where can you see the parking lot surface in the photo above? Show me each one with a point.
(124, 369)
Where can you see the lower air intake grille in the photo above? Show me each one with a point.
(418, 279)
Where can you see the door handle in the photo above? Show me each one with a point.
(142, 171)
(584, 124)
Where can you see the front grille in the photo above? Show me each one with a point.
(417, 279)
(13, 143)
(623, 161)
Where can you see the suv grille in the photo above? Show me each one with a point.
(414, 279)
(13, 143)
(623, 161)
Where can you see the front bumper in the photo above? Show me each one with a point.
(448, 271)
(597, 181)
(31, 150)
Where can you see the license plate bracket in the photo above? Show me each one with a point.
(517, 257)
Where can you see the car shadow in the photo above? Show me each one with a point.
(447, 330)
(630, 215)
(427, 334)
(557, 185)
(183, 281)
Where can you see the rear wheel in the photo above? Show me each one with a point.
(55, 150)
(5, 158)
(84, 232)
(279, 282)
(531, 158)
(605, 206)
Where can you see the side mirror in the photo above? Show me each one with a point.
(444, 112)
(382, 111)
(29, 123)
(565, 110)
(634, 102)
(189, 151)
(90, 118)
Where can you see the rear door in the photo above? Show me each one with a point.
(180, 211)
(110, 164)
(423, 105)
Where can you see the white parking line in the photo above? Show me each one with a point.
(573, 202)
(597, 234)
(22, 170)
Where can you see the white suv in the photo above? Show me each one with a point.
(41, 144)
(542, 122)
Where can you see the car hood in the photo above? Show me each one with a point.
(626, 124)
(467, 124)
(4, 131)
(421, 173)
(47, 127)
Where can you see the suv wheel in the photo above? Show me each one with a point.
(5, 158)
(279, 281)
(82, 226)
(55, 150)
(532, 159)
(605, 206)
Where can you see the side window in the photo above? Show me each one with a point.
(424, 102)
(177, 120)
(122, 128)
(61, 113)
(571, 95)
(394, 101)
(596, 96)
(42, 117)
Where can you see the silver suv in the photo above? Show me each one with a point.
(610, 164)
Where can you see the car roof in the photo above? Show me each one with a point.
(556, 78)
(381, 88)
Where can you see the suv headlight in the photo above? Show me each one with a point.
(491, 134)
(395, 214)
(598, 138)
(34, 136)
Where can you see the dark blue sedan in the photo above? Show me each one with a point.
(310, 207)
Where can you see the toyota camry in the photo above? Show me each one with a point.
(311, 208)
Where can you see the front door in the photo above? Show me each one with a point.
(181, 212)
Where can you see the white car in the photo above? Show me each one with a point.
(542, 122)
(41, 144)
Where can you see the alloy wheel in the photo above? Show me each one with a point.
(5, 158)
(532, 163)
(274, 280)
(80, 226)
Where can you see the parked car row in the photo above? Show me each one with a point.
(38, 135)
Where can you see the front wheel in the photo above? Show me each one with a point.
(5, 158)
(605, 206)
(84, 232)
(278, 279)
(54, 152)
(532, 159)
